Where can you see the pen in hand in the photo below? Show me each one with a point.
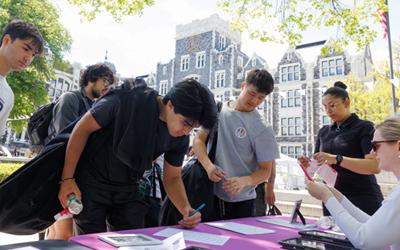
(197, 209)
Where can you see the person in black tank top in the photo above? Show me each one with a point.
(345, 145)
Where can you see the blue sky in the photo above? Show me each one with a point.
(137, 43)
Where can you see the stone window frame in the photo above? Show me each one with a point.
(163, 87)
(185, 61)
(331, 66)
(293, 99)
(289, 72)
(222, 42)
(220, 79)
(200, 59)
(221, 59)
(296, 150)
(291, 126)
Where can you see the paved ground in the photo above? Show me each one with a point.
(6, 239)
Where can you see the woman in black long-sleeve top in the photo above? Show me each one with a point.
(344, 145)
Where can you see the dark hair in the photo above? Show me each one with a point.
(134, 82)
(338, 90)
(23, 30)
(94, 72)
(194, 101)
(262, 80)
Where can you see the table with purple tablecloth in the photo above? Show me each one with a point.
(236, 241)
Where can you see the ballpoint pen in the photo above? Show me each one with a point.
(197, 209)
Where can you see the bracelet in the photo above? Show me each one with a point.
(66, 179)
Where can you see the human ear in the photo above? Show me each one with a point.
(169, 105)
(347, 102)
(6, 39)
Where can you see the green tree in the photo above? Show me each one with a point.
(117, 8)
(284, 21)
(373, 104)
(29, 86)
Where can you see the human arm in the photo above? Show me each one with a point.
(175, 190)
(366, 165)
(364, 235)
(235, 185)
(214, 173)
(65, 111)
(269, 194)
(75, 146)
(357, 165)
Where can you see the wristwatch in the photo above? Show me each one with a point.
(339, 159)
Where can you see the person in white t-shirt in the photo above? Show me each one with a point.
(382, 228)
(19, 44)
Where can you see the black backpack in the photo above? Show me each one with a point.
(39, 122)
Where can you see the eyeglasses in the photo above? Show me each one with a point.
(188, 124)
(376, 144)
(107, 83)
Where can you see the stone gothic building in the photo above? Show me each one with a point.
(210, 52)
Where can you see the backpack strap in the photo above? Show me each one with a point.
(156, 175)
(214, 131)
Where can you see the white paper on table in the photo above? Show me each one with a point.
(326, 172)
(285, 223)
(174, 242)
(240, 228)
(194, 236)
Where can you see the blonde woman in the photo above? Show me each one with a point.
(382, 228)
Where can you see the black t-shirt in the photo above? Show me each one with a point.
(352, 139)
(107, 169)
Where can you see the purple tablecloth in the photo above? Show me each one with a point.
(236, 241)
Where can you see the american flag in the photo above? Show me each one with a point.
(383, 21)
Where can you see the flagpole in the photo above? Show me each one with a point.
(394, 103)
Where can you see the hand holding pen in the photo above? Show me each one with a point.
(192, 218)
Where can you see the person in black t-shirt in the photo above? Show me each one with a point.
(128, 129)
(345, 145)
(94, 82)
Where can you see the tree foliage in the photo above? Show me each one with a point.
(29, 86)
(374, 103)
(117, 8)
(284, 21)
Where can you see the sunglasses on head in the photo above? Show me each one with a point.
(376, 144)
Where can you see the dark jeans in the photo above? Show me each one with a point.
(234, 210)
(103, 209)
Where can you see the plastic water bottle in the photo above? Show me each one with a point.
(74, 204)
(74, 207)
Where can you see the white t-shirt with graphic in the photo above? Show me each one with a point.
(243, 141)
(6, 103)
